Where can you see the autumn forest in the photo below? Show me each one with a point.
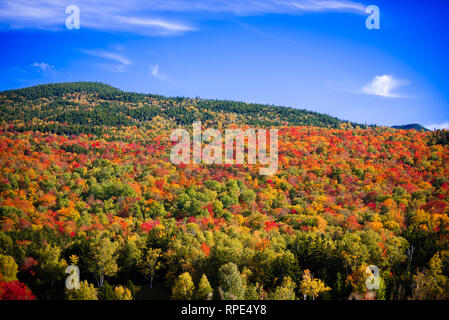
(86, 180)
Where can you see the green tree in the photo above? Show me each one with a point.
(8, 267)
(255, 292)
(102, 260)
(106, 292)
(129, 285)
(85, 292)
(286, 291)
(204, 289)
(231, 281)
(183, 287)
(129, 256)
(149, 264)
(431, 283)
(50, 273)
(6, 243)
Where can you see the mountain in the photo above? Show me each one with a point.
(90, 107)
(412, 126)
(114, 201)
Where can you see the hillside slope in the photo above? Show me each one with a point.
(88, 107)
(412, 126)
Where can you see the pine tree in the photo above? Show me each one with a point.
(204, 289)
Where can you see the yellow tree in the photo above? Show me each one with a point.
(149, 264)
(183, 287)
(311, 287)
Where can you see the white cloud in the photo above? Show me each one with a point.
(108, 55)
(155, 71)
(121, 62)
(164, 25)
(251, 7)
(312, 5)
(149, 17)
(444, 125)
(104, 15)
(384, 86)
(42, 66)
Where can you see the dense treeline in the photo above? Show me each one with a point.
(440, 137)
(58, 90)
(80, 105)
(414, 126)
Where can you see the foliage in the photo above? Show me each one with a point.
(286, 291)
(204, 289)
(14, 290)
(86, 180)
(86, 291)
(231, 281)
(8, 268)
(122, 293)
(102, 258)
(311, 287)
(183, 288)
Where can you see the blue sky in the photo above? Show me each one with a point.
(312, 54)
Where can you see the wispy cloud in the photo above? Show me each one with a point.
(158, 23)
(42, 66)
(134, 16)
(311, 5)
(251, 7)
(151, 17)
(155, 72)
(385, 86)
(120, 62)
(107, 55)
(439, 126)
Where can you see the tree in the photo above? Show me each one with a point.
(204, 289)
(102, 259)
(50, 273)
(85, 292)
(122, 293)
(231, 281)
(129, 256)
(106, 292)
(15, 290)
(8, 268)
(255, 292)
(149, 264)
(311, 287)
(129, 285)
(5, 243)
(431, 283)
(183, 287)
(286, 291)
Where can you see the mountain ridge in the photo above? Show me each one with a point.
(84, 103)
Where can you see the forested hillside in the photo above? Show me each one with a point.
(89, 107)
(86, 180)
